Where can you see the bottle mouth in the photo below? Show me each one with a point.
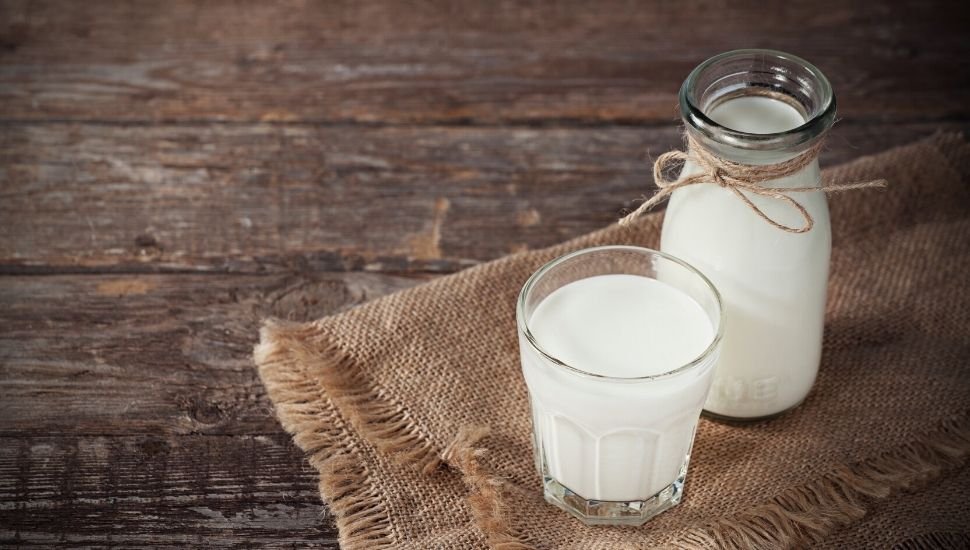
(757, 72)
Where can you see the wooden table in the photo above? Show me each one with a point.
(174, 172)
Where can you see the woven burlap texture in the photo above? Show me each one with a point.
(413, 408)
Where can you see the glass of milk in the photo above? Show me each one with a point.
(618, 345)
(757, 107)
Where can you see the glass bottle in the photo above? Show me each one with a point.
(757, 107)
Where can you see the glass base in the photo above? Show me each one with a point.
(605, 512)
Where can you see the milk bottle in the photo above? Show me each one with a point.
(757, 107)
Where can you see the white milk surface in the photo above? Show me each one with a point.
(621, 325)
(607, 439)
(772, 283)
(757, 115)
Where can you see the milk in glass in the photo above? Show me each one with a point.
(617, 388)
(619, 326)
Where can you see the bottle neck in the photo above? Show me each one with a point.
(756, 106)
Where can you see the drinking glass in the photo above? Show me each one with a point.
(614, 450)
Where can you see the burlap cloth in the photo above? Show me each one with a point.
(392, 400)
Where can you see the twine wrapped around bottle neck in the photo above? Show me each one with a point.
(739, 178)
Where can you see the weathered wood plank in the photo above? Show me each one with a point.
(257, 198)
(153, 354)
(162, 491)
(467, 62)
(271, 142)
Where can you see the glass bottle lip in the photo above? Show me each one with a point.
(778, 64)
(523, 323)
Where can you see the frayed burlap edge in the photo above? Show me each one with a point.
(317, 390)
(935, 541)
(486, 498)
(290, 372)
(809, 513)
(377, 416)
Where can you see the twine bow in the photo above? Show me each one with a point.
(739, 178)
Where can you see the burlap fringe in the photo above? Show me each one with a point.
(306, 412)
(485, 499)
(361, 519)
(809, 513)
(377, 416)
(317, 428)
(389, 427)
(935, 541)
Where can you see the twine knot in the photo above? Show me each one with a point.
(741, 178)
(718, 176)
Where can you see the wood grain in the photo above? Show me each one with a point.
(463, 63)
(131, 413)
(152, 354)
(171, 172)
(160, 491)
(264, 198)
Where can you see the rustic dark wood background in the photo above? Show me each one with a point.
(172, 172)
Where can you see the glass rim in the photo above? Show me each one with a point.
(523, 324)
(816, 123)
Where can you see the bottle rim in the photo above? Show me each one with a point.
(758, 72)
